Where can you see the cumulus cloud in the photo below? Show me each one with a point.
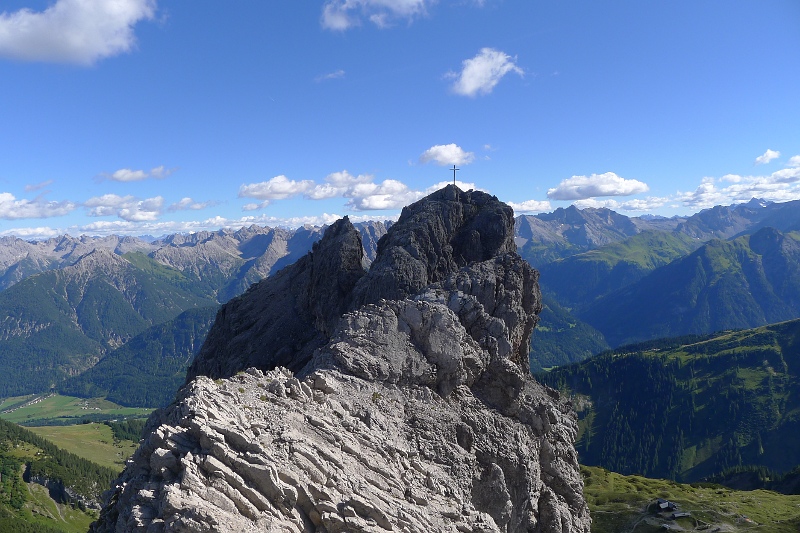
(530, 206)
(768, 156)
(341, 15)
(337, 184)
(330, 76)
(447, 154)
(127, 208)
(73, 31)
(794, 161)
(480, 74)
(127, 174)
(277, 188)
(13, 209)
(389, 194)
(607, 184)
(187, 204)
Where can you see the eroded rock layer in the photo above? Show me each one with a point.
(407, 406)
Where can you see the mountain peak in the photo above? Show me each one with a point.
(416, 366)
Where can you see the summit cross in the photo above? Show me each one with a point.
(454, 174)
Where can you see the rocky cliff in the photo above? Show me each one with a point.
(330, 398)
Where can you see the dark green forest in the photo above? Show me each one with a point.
(692, 407)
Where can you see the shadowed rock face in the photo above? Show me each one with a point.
(281, 320)
(392, 400)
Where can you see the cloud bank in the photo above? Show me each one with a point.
(13, 209)
(607, 184)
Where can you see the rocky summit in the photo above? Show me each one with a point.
(333, 398)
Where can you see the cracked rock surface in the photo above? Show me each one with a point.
(412, 412)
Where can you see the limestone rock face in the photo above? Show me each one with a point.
(411, 411)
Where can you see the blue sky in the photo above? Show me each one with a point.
(151, 117)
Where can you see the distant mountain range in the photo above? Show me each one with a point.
(641, 278)
(70, 303)
(607, 279)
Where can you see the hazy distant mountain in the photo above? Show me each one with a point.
(689, 408)
(20, 259)
(224, 262)
(747, 282)
(547, 237)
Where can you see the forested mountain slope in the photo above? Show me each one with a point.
(688, 408)
(147, 370)
(749, 281)
(61, 322)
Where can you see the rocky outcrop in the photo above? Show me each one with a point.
(433, 238)
(283, 319)
(412, 412)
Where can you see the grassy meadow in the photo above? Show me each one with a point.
(623, 504)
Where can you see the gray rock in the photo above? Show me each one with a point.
(433, 238)
(406, 407)
(281, 320)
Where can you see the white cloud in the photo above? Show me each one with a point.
(187, 203)
(38, 186)
(780, 186)
(341, 15)
(254, 206)
(530, 206)
(127, 208)
(447, 154)
(794, 161)
(607, 184)
(127, 174)
(389, 194)
(337, 184)
(636, 204)
(13, 209)
(277, 188)
(480, 74)
(768, 156)
(73, 31)
(463, 185)
(38, 233)
(330, 76)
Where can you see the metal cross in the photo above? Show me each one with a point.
(454, 175)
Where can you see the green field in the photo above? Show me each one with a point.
(94, 442)
(66, 409)
(621, 503)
